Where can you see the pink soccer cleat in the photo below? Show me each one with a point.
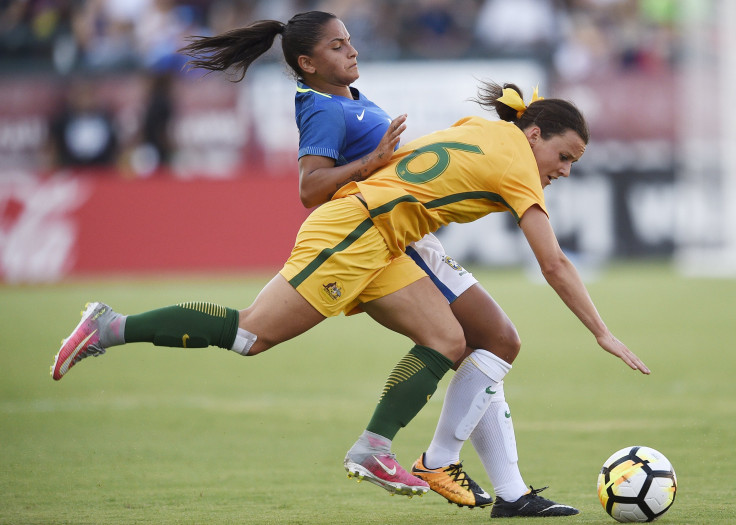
(84, 340)
(384, 471)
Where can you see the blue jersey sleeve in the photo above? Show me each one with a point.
(321, 129)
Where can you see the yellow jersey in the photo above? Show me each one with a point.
(458, 174)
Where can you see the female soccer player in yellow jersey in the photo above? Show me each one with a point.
(343, 137)
(350, 251)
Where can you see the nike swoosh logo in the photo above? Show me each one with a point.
(489, 391)
(360, 117)
(484, 494)
(184, 340)
(78, 349)
(389, 471)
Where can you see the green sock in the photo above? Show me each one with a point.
(410, 385)
(186, 325)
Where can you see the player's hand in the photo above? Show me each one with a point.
(612, 345)
(390, 139)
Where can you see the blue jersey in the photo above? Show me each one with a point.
(337, 127)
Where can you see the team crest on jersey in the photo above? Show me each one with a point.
(332, 291)
(454, 265)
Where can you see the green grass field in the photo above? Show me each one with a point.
(202, 436)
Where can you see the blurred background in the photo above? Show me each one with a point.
(114, 159)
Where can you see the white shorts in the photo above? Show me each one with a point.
(451, 278)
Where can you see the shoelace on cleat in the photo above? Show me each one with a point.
(457, 473)
(533, 492)
(91, 350)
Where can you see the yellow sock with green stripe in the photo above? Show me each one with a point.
(186, 325)
(410, 385)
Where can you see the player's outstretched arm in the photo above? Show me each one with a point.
(319, 178)
(565, 280)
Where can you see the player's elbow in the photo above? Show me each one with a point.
(306, 199)
(555, 267)
(310, 199)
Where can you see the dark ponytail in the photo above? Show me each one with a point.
(554, 116)
(235, 49)
(238, 48)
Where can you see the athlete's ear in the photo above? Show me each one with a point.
(305, 64)
(533, 134)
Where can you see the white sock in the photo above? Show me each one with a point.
(495, 442)
(468, 394)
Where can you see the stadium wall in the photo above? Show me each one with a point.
(89, 225)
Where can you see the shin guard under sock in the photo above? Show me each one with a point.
(186, 325)
(410, 385)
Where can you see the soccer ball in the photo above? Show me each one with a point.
(637, 484)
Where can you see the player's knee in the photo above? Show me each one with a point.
(505, 343)
(509, 342)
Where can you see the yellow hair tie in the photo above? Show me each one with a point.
(512, 99)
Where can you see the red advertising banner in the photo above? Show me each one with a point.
(61, 226)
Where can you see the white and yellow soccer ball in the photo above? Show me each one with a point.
(637, 484)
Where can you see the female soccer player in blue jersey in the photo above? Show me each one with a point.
(326, 65)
